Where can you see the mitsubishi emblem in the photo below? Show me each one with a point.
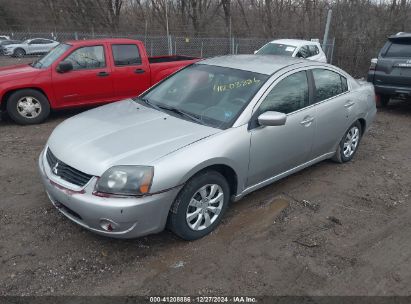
(55, 170)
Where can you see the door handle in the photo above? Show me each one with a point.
(103, 74)
(349, 104)
(307, 121)
(139, 71)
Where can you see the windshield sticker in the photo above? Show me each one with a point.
(289, 49)
(227, 115)
(235, 85)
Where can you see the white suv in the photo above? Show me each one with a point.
(294, 48)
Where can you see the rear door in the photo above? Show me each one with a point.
(47, 45)
(35, 46)
(89, 82)
(394, 63)
(334, 107)
(131, 74)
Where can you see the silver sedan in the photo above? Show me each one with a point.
(211, 133)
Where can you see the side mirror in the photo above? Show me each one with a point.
(271, 118)
(299, 55)
(64, 67)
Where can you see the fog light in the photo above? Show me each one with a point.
(108, 225)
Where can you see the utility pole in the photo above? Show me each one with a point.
(170, 51)
(327, 28)
(229, 35)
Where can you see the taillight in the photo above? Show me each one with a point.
(374, 62)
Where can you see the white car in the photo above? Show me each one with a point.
(30, 47)
(294, 48)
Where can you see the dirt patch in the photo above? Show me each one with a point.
(328, 230)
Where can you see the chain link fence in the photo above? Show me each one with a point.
(161, 45)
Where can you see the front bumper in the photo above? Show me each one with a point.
(7, 52)
(130, 217)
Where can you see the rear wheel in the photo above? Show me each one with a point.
(383, 101)
(19, 53)
(199, 206)
(28, 107)
(349, 143)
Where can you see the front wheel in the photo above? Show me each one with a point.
(28, 107)
(199, 206)
(349, 143)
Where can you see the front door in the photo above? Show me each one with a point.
(89, 82)
(275, 150)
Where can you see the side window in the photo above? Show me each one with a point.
(35, 41)
(304, 52)
(126, 54)
(289, 95)
(328, 84)
(91, 57)
(313, 50)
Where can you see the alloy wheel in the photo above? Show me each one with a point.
(205, 207)
(28, 107)
(351, 141)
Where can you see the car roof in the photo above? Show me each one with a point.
(399, 36)
(263, 64)
(294, 42)
(102, 40)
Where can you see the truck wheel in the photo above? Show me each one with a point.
(382, 101)
(348, 144)
(199, 206)
(19, 53)
(28, 107)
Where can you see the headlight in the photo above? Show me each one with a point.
(126, 180)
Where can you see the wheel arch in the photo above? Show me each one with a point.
(7, 94)
(363, 124)
(224, 169)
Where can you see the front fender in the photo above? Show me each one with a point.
(229, 147)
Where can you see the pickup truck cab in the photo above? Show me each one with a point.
(391, 71)
(82, 73)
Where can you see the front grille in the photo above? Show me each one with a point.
(66, 172)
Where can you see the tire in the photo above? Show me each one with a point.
(345, 155)
(383, 101)
(28, 106)
(19, 53)
(190, 202)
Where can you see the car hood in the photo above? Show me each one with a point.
(121, 133)
(18, 71)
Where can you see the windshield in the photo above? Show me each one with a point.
(206, 94)
(276, 49)
(51, 56)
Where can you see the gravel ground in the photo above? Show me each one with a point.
(329, 230)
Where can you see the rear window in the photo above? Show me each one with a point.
(126, 54)
(399, 49)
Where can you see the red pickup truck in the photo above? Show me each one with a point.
(82, 73)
